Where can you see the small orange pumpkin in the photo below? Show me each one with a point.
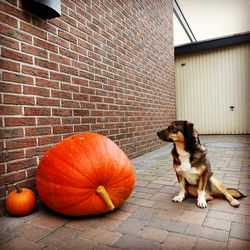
(21, 201)
(84, 174)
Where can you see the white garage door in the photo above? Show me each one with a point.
(213, 90)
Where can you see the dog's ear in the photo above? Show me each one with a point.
(191, 133)
(188, 129)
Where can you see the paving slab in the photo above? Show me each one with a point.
(149, 219)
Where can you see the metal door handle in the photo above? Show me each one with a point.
(232, 108)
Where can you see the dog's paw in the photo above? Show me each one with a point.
(178, 198)
(235, 203)
(201, 203)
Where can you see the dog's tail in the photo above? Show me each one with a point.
(235, 193)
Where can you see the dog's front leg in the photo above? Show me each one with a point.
(180, 197)
(201, 201)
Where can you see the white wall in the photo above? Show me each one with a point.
(213, 18)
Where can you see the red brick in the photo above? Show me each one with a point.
(17, 78)
(62, 129)
(3, 191)
(31, 173)
(47, 83)
(79, 65)
(39, 151)
(15, 12)
(27, 183)
(34, 50)
(59, 23)
(70, 120)
(7, 133)
(15, 34)
(9, 65)
(11, 178)
(20, 121)
(67, 36)
(80, 81)
(8, 20)
(44, 25)
(37, 131)
(79, 49)
(48, 140)
(69, 20)
(70, 104)
(69, 87)
(8, 42)
(31, 29)
(62, 112)
(21, 143)
(96, 99)
(48, 121)
(14, 55)
(68, 53)
(1, 145)
(69, 70)
(21, 164)
(10, 110)
(81, 97)
(59, 77)
(45, 45)
(59, 58)
(81, 128)
(59, 41)
(36, 111)
(30, 90)
(81, 112)
(47, 102)
(6, 156)
(61, 94)
(46, 64)
(18, 100)
(86, 45)
(34, 71)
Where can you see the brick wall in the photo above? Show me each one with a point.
(103, 66)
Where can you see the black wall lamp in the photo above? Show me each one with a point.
(46, 9)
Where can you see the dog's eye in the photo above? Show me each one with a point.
(173, 130)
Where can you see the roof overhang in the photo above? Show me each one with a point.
(212, 44)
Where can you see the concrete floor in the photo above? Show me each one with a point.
(149, 219)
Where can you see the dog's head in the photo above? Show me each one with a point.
(179, 131)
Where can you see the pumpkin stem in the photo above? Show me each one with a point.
(19, 190)
(104, 195)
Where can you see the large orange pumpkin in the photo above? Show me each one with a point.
(84, 174)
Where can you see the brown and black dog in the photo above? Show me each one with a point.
(193, 168)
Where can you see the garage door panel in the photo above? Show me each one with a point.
(208, 84)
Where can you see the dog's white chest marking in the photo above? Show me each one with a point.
(185, 169)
